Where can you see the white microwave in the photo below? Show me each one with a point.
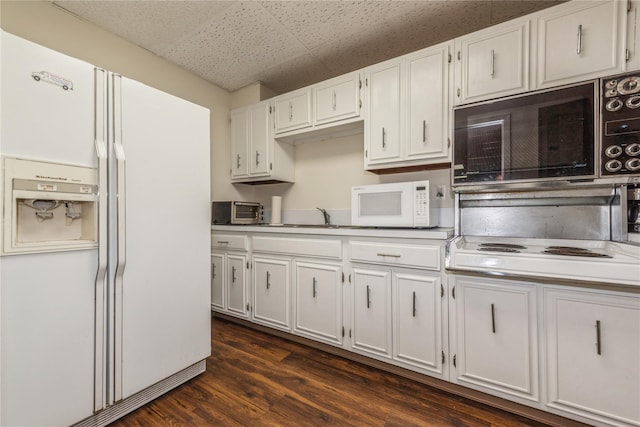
(402, 204)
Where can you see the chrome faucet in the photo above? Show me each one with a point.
(327, 217)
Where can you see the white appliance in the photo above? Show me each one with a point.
(402, 204)
(104, 301)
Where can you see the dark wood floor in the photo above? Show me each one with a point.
(256, 379)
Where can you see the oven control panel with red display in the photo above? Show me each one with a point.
(620, 103)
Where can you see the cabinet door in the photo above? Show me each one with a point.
(236, 285)
(578, 42)
(259, 139)
(218, 295)
(593, 352)
(271, 292)
(427, 110)
(371, 301)
(496, 328)
(493, 62)
(417, 326)
(293, 111)
(239, 143)
(337, 99)
(382, 130)
(318, 301)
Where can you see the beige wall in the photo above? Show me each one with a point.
(325, 171)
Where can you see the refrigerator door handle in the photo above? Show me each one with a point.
(121, 253)
(100, 140)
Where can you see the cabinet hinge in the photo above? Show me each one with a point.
(458, 55)
(270, 166)
(449, 59)
(360, 103)
(458, 92)
(454, 361)
(443, 358)
(453, 292)
(349, 333)
(248, 308)
(366, 153)
(366, 82)
(248, 265)
(270, 109)
(359, 83)
(349, 277)
(627, 55)
(441, 290)
(448, 142)
(343, 331)
(628, 6)
(342, 277)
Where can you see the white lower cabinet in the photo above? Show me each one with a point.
(272, 292)
(593, 355)
(318, 301)
(495, 337)
(236, 279)
(417, 321)
(218, 291)
(371, 305)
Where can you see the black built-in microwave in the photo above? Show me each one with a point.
(538, 136)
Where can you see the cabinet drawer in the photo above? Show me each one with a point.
(229, 241)
(299, 247)
(396, 254)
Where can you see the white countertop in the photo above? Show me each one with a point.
(344, 230)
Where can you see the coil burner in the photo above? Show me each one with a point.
(573, 251)
(500, 247)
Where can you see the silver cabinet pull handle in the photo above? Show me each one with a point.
(290, 111)
(368, 297)
(424, 131)
(493, 63)
(493, 318)
(268, 280)
(390, 255)
(213, 271)
(314, 287)
(233, 274)
(238, 162)
(223, 242)
(257, 157)
(334, 101)
(579, 48)
(414, 304)
(598, 340)
(384, 144)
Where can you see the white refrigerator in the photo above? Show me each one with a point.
(98, 321)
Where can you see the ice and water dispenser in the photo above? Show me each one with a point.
(48, 206)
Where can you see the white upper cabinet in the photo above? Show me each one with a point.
(580, 40)
(337, 99)
(382, 128)
(255, 154)
(293, 110)
(408, 110)
(493, 62)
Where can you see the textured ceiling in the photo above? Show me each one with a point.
(291, 44)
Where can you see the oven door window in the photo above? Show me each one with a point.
(539, 136)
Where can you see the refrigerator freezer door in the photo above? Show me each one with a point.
(47, 308)
(164, 313)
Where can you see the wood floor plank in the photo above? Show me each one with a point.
(257, 379)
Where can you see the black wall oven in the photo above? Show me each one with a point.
(538, 136)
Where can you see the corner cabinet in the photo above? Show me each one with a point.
(580, 40)
(408, 110)
(255, 154)
(493, 62)
(593, 354)
(495, 337)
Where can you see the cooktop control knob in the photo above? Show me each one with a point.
(614, 105)
(629, 85)
(611, 84)
(613, 151)
(633, 101)
(632, 149)
(632, 164)
(610, 93)
(613, 165)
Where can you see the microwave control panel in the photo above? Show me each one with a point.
(620, 125)
(421, 204)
